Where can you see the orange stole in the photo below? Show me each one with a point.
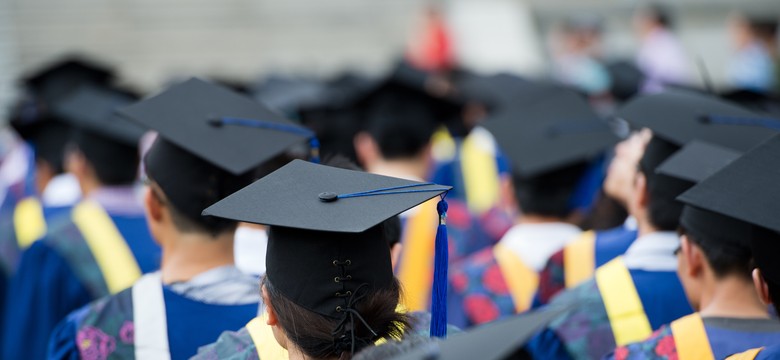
(415, 270)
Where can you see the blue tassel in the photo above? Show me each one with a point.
(314, 145)
(439, 294)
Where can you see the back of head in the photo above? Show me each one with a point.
(401, 121)
(190, 184)
(662, 190)
(115, 163)
(724, 240)
(549, 193)
(659, 13)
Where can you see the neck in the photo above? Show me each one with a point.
(537, 219)
(644, 227)
(188, 254)
(732, 297)
(408, 167)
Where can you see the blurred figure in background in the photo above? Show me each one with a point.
(661, 56)
(96, 248)
(754, 63)
(576, 53)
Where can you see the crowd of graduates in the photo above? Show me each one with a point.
(611, 211)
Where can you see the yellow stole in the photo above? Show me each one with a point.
(521, 280)
(579, 259)
(416, 264)
(624, 308)
(29, 223)
(690, 338)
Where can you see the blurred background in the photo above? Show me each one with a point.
(152, 42)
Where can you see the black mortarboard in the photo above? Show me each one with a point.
(755, 101)
(554, 132)
(198, 159)
(325, 224)
(64, 75)
(696, 161)
(93, 108)
(747, 190)
(500, 91)
(625, 79)
(680, 116)
(197, 116)
(495, 341)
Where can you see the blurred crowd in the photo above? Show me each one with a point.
(623, 210)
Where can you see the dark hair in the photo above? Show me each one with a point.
(660, 13)
(725, 257)
(549, 194)
(401, 125)
(114, 163)
(664, 210)
(186, 224)
(393, 230)
(318, 336)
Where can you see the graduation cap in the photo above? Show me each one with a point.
(325, 224)
(554, 132)
(679, 116)
(93, 108)
(494, 341)
(218, 125)
(65, 74)
(696, 161)
(746, 190)
(210, 140)
(625, 79)
(500, 91)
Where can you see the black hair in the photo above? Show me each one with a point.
(187, 224)
(319, 337)
(401, 124)
(114, 163)
(660, 13)
(549, 194)
(725, 257)
(663, 208)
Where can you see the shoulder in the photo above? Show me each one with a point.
(233, 345)
(660, 345)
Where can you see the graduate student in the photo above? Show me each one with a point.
(577, 261)
(638, 292)
(715, 270)
(43, 189)
(198, 292)
(328, 264)
(552, 147)
(744, 192)
(396, 141)
(98, 247)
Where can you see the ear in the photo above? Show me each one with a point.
(761, 287)
(640, 185)
(693, 256)
(272, 320)
(153, 205)
(75, 162)
(395, 253)
(366, 148)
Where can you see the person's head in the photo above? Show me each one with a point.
(549, 194)
(181, 185)
(619, 182)
(713, 248)
(328, 260)
(651, 17)
(653, 199)
(96, 160)
(745, 30)
(398, 126)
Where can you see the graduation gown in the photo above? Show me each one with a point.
(769, 352)
(499, 281)
(256, 342)
(694, 337)
(148, 318)
(66, 269)
(628, 298)
(576, 263)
